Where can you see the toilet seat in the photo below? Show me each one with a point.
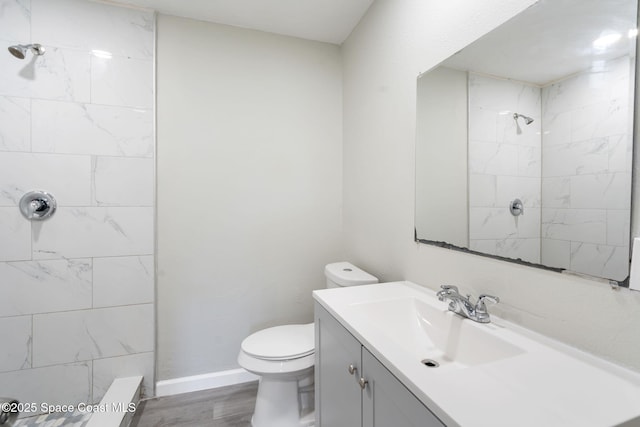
(281, 343)
(284, 359)
(281, 368)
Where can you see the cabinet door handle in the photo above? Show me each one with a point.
(352, 369)
(363, 383)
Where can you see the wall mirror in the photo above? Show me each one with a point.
(524, 140)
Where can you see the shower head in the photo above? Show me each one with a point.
(20, 50)
(527, 120)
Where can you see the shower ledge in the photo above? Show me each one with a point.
(123, 391)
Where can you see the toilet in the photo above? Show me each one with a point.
(284, 356)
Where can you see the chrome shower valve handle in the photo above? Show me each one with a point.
(37, 205)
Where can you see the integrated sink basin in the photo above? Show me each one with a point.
(496, 374)
(434, 334)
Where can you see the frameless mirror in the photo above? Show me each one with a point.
(524, 140)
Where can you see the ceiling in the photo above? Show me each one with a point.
(328, 21)
(551, 40)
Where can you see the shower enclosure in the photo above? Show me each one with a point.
(572, 166)
(76, 123)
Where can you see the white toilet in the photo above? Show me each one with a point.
(283, 357)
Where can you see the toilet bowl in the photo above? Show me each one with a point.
(284, 357)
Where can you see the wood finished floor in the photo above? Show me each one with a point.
(223, 407)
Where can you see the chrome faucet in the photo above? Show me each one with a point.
(464, 307)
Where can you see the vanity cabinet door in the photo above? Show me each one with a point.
(388, 403)
(338, 394)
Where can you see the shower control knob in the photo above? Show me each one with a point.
(37, 205)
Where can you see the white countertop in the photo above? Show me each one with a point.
(548, 384)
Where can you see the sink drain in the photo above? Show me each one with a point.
(430, 363)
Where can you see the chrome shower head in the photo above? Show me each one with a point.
(20, 50)
(527, 120)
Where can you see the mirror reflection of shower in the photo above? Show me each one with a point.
(527, 121)
(20, 50)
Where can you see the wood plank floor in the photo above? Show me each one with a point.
(222, 407)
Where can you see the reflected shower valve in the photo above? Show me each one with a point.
(516, 207)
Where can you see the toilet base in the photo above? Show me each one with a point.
(285, 402)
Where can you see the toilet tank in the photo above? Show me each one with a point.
(340, 274)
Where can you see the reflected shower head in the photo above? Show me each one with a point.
(527, 120)
(20, 50)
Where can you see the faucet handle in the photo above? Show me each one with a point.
(481, 306)
(446, 290)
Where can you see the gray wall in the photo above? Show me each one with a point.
(249, 186)
(394, 42)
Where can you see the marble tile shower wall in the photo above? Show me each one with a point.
(587, 171)
(504, 164)
(76, 291)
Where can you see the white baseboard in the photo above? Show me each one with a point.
(204, 382)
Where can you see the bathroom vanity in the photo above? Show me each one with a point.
(356, 389)
(391, 354)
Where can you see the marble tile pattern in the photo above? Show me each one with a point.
(55, 419)
(571, 168)
(104, 370)
(586, 184)
(85, 335)
(15, 335)
(56, 385)
(77, 290)
(504, 164)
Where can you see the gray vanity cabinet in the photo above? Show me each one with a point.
(353, 389)
(338, 395)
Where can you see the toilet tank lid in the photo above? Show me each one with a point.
(347, 274)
